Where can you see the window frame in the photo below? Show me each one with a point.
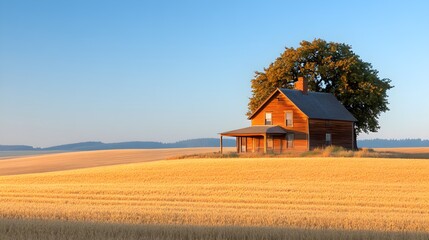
(286, 122)
(271, 118)
(328, 142)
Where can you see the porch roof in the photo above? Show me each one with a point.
(255, 131)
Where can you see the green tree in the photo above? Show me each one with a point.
(329, 67)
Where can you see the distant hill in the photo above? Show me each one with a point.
(200, 142)
(17, 148)
(392, 143)
(85, 146)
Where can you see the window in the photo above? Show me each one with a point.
(268, 118)
(270, 142)
(328, 139)
(290, 137)
(289, 118)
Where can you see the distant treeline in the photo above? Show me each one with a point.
(17, 148)
(84, 146)
(200, 142)
(392, 143)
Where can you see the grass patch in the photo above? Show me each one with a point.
(336, 151)
(206, 155)
(330, 151)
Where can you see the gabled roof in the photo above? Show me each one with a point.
(256, 130)
(315, 105)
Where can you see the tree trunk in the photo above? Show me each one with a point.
(355, 146)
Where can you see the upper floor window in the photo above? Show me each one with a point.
(289, 118)
(268, 118)
(328, 139)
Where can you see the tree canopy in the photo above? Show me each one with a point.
(329, 67)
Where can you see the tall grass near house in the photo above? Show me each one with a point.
(330, 151)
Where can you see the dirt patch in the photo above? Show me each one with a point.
(75, 160)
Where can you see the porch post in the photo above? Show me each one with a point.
(221, 145)
(265, 143)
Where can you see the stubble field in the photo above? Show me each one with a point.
(12, 165)
(311, 197)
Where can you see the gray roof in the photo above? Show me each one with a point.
(257, 130)
(318, 105)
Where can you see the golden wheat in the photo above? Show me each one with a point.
(312, 193)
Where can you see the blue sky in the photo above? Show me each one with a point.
(114, 71)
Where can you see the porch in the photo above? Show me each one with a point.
(259, 139)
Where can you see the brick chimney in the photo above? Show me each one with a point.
(302, 85)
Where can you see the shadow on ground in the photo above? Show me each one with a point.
(59, 230)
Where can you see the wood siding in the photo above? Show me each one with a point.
(278, 105)
(341, 132)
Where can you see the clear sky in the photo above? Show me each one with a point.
(112, 71)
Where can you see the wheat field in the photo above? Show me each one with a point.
(307, 193)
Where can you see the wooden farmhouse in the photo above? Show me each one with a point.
(296, 120)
